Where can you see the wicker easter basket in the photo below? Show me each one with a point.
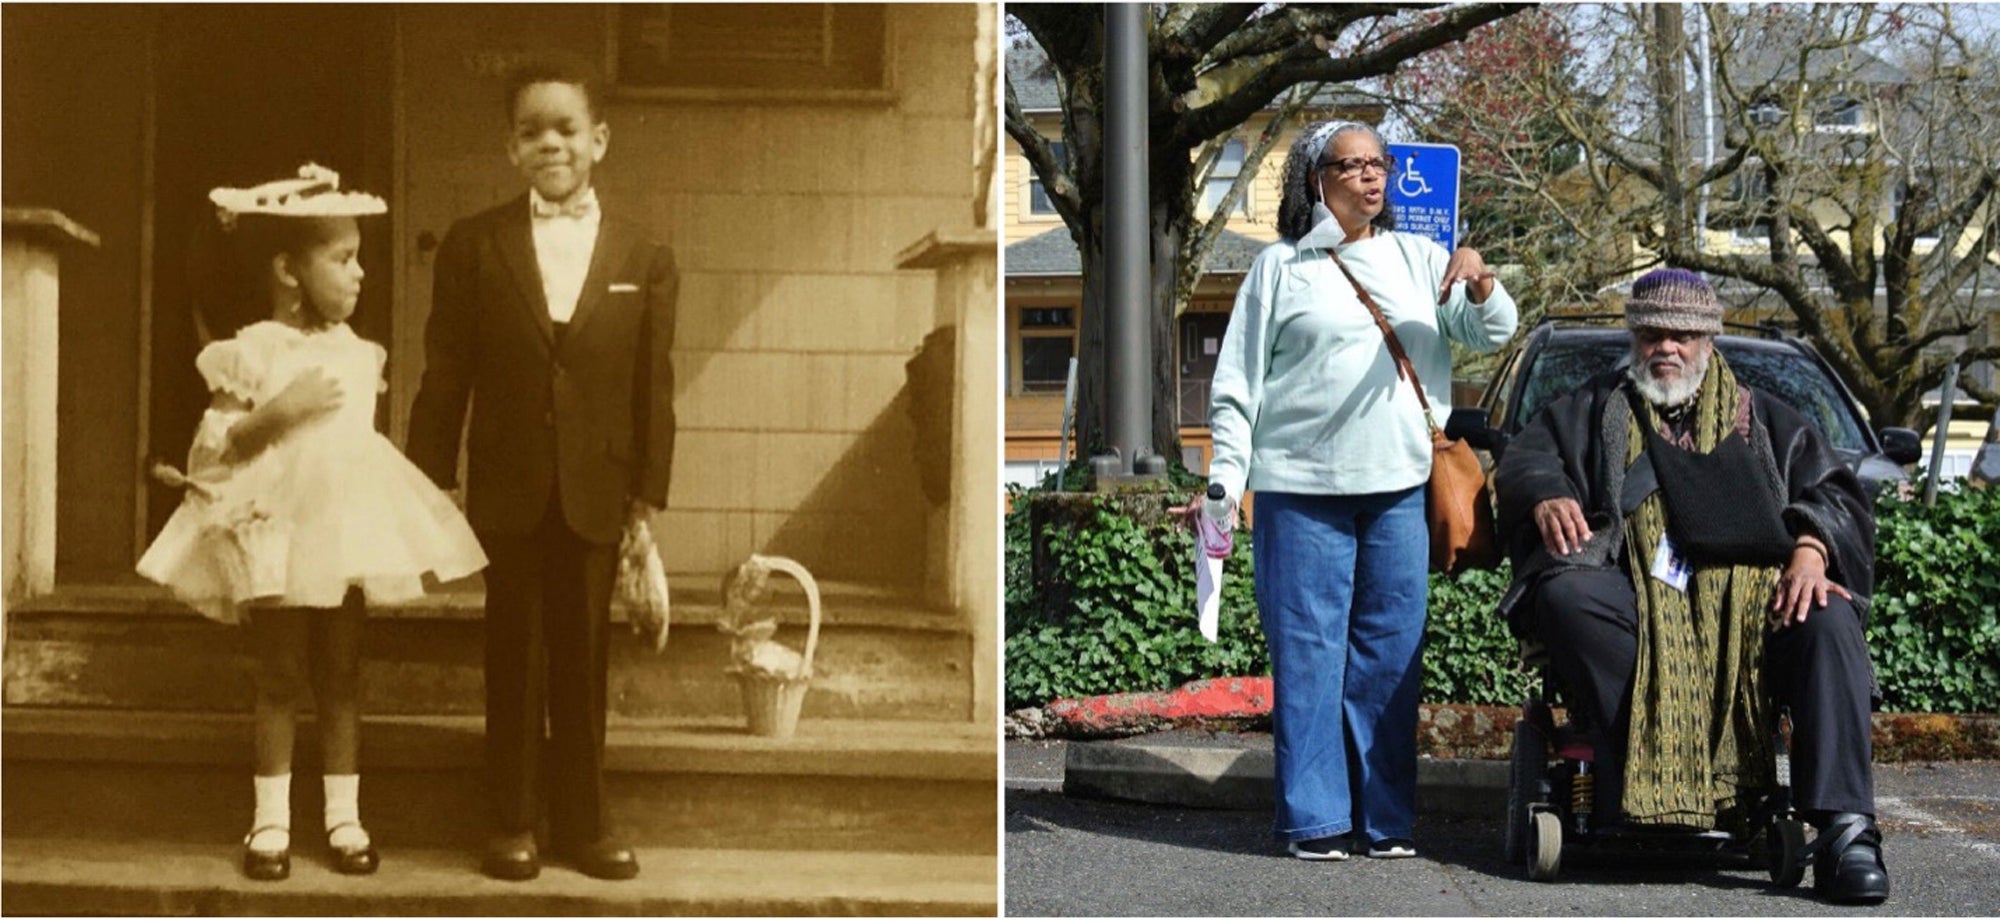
(255, 552)
(772, 700)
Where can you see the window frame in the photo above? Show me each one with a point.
(1018, 334)
(1033, 186)
(1206, 208)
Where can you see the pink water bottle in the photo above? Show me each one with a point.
(1217, 538)
(1214, 540)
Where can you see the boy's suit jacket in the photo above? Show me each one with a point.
(593, 418)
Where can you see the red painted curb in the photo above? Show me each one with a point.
(1227, 697)
(1450, 731)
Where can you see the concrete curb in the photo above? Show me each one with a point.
(1236, 775)
(1444, 732)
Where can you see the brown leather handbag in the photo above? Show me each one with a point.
(1460, 505)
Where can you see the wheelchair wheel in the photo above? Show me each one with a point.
(1548, 847)
(1524, 778)
(1784, 839)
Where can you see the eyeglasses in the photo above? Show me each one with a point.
(1349, 166)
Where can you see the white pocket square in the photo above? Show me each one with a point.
(617, 287)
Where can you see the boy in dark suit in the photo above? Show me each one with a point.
(555, 321)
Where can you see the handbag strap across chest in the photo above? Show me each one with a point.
(1404, 367)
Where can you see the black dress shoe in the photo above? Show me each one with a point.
(512, 857)
(361, 861)
(1849, 868)
(605, 858)
(265, 866)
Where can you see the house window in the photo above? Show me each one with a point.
(1839, 114)
(1047, 341)
(1228, 165)
(830, 51)
(1765, 113)
(1038, 197)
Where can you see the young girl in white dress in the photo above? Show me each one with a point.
(298, 513)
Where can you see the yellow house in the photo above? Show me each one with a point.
(1044, 286)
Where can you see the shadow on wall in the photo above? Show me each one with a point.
(870, 519)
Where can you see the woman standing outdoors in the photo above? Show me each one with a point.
(1307, 410)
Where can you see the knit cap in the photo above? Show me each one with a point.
(1674, 299)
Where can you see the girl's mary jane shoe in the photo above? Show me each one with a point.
(265, 866)
(354, 861)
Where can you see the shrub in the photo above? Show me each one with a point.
(1934, 630)
(1116, 613)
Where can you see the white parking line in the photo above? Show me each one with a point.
(1909, 813)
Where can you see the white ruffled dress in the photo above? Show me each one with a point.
(329, 506)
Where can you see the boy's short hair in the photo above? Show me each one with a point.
(554, 70)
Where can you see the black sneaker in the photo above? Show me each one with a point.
(1324, 849)
(1394, 848)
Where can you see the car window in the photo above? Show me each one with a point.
(1791, 376)
(1496, 396)
(1799, 382)
(1561, 368)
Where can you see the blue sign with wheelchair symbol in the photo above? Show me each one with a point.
(1423, 195)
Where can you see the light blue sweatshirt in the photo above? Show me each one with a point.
(1305, 397)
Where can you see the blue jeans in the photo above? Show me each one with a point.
(1342, 589)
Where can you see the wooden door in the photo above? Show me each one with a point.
(245, 94)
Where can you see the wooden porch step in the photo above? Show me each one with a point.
(84, 877)
(883, 786)
(880, 657)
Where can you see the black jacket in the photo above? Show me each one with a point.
(591, 417)
(1575, 449)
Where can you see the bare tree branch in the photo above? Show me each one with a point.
(1304, 62)
(1057, 182)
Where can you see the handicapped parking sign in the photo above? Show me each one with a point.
(1423, 195)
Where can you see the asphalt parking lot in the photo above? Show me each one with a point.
(1091, 857)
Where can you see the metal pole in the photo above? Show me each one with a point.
(1707, 128)
(1945, 395)
(1986, 465)
(1128, 283)
(1068, 419)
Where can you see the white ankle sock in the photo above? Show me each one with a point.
(343, 812)
(272, 824)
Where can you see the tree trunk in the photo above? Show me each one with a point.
(1167, 233)
(1092, 422)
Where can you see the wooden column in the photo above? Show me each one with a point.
(34, 240)
(967, 265)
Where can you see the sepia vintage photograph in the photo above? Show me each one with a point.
(501, 459)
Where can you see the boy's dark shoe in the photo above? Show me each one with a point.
(1849, 869)
(512, 857)
(604, 858)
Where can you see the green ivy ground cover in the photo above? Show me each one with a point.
(1114, 613)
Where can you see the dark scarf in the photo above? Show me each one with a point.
(1699, 723)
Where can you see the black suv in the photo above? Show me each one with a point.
(1560, 355)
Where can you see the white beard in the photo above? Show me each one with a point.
(1669, 393)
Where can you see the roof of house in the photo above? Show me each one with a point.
(1054, 253)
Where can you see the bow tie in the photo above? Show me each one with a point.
(582, 206)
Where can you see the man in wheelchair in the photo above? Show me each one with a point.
(1688, 550)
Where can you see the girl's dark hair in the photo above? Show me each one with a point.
(577, 75)
(1296, 203)
(229, 268)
